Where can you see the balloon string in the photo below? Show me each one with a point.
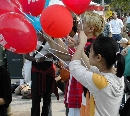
(54, 55)
(81, 22)
(55, 50)
(59, 51)
(68, 48)
(57, 43)
(58, 57)
(64, 48)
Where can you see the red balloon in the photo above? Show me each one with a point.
(56, 21)
(77, 6)
(17, 6)
(17, 34)
(8, 6)
(33, 7)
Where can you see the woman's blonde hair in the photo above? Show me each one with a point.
(96, 21)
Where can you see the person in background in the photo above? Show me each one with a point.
(125, 28)
(107, 32)
(3, 61)
(42, 77)
(128, 21)
(122, 17)
(109, 19)
(106, 86)
(59, 81)
(5, 91)
(23, 86)
(117, 27)
(126, 53)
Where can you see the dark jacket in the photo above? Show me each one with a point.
(5, 90)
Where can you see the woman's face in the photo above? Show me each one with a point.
(87, 28)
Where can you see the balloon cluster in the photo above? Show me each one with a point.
(20, 20)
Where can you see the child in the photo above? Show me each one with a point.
(104, 84)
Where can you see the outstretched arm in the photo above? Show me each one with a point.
(60, 50)
(56, 44)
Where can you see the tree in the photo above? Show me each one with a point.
(116, 4)
(121, 4)
(100, 1)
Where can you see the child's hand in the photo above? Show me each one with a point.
(82, 38)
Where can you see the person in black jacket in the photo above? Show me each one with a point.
(5, 91)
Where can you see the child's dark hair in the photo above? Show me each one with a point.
(108, 49)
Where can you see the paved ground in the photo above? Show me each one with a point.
(22, 107)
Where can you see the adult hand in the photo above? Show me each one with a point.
(72, 42)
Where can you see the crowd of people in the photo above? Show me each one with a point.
(95, 58)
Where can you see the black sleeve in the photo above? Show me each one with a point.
(6, 86)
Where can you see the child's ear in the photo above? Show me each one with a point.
(99, 57)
